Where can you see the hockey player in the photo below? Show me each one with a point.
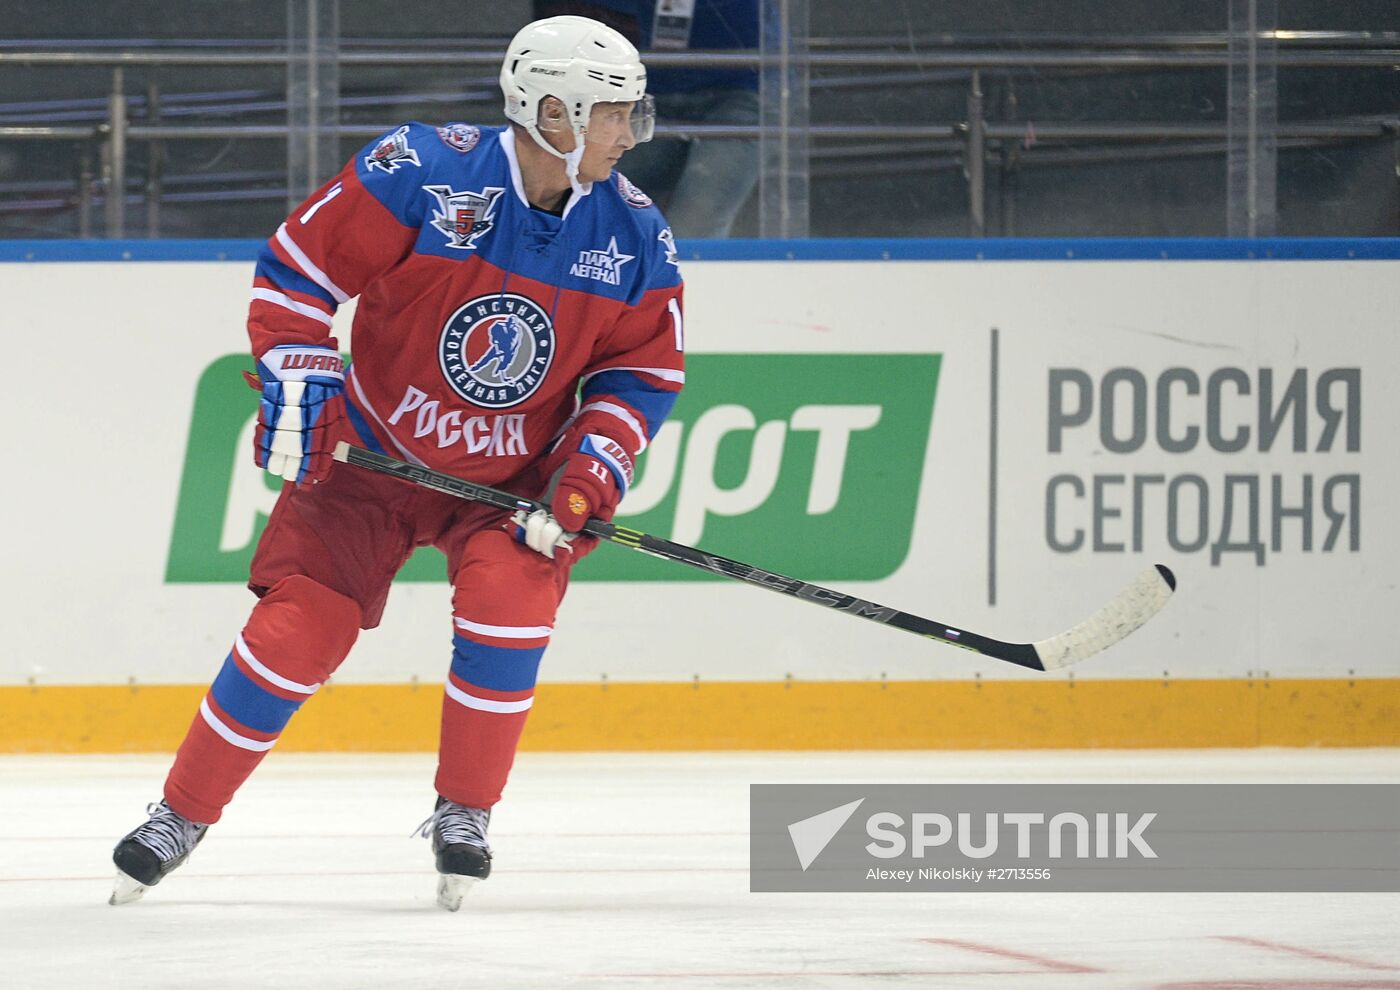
(519, 324)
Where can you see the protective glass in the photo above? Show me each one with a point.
(642, 119)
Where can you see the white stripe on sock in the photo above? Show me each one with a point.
(486, 704)
(231, 737)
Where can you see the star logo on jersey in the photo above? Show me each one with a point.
(601, 266)
(392, 153)
(668, 241)
(495, 350)
(465, 217)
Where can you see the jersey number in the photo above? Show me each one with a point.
(331, 194)
(678, 323)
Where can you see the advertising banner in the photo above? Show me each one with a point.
(999, 446)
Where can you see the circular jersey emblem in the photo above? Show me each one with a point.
(463, 137)
(495, 350)
(630, 193)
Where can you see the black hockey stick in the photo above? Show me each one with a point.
(1133, 606)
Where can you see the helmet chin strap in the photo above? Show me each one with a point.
(571, 158)
(571, 163)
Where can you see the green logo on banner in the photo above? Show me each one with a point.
(807, 464)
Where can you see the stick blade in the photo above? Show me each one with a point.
(1135, 604)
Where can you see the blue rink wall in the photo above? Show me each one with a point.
(996, 433)
(831, 249)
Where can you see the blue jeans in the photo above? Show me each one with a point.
(701, 183)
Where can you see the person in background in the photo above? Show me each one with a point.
(702, 182)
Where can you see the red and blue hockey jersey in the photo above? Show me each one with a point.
(484, 327)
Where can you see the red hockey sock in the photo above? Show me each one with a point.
(298, 634)
(485, 703)
(503, 613)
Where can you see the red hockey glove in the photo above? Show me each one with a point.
(594, 478)
(589, 479)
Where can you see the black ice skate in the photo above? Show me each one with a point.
(150, 851)
(459, 843)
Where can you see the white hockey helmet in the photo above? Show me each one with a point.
(579, 62)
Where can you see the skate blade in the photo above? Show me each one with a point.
(126, 890)
(451, 889)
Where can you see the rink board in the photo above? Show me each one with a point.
(995, 435)
(817, 715)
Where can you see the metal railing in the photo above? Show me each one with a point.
(967, 143)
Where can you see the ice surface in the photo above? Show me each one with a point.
(623, 870)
